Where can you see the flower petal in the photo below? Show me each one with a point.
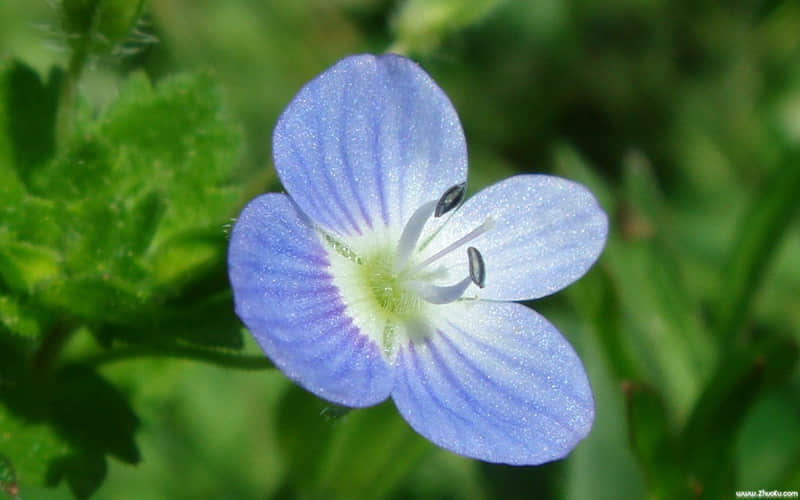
(366, 142)
(495, 382)
(547, 233)
(284, 294)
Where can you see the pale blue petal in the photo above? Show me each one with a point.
(495, 382)
(366, 142)
(547, 233)
(284, 294)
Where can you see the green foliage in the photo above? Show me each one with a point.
(333, 452)
(115, 192)
(98, 25)
(107, 232)
(421, 25)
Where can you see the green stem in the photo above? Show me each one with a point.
(44, 359)
(66, 99)
(243, 362)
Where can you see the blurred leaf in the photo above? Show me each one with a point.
(25, 267)
(27, 443)
(306, 433)
(645, 266)
(652, 438)
(568, 163)
(743, 376)
(372, 451)
(99, 25)
(18, 317)
(642, 293)
(8, 478)
(362, 453)
(421, 25)
(65, 427)
(84, 473)
(598, 303)
(206, 322)
(768, 449)
(761, 230)
(27, 116)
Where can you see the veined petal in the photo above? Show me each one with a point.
(547, 232)
(365, 143)
(495, 382)
(284, 294)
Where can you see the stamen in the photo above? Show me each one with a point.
(451, 199)
(477, 269)
(487, 225)
(408, 240)
(441, 294)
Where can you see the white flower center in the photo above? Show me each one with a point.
(390, 290)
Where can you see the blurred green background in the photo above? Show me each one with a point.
(683, 117)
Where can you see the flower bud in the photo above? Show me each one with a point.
(98, 26)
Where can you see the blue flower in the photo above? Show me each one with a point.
(371, 279)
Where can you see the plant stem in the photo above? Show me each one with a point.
(243, 362)
(51, 346)
(66, 99)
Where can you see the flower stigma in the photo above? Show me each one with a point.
(392, 289)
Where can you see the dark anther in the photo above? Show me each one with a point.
(477, 269)
(451, 199)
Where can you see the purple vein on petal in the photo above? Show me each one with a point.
(484, 411)
(311, 187)
(424, 386)
(344, 152)
(481, 413)
(499, 389)
(333, 190)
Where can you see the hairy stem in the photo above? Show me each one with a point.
(242, 362)
(66, 99)
(46, 355)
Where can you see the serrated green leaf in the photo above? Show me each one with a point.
(27, 442)
(18, 318)
(31, 219)
(29, 448)
(190, 251)
(133, 207)
(206, 322)
(99, 25)
(27, 116)
(64, 427)
(25, 267)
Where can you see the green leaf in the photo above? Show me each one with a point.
(25, 267)
(674, 348)
(8, 478)
(64, 428)
(99, 25)
(27, 116)
(206, 322)
(653, 439)
(132, 209)
(421, 25)
(763, 227)
(363, 453)
(18, 317)
(746, 373)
